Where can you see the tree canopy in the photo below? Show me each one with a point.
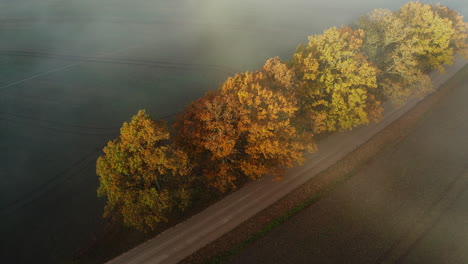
(458, 40)
(268, 138)
(389, 45)
(142, 176)
(432, 35)
(244, 129)
(336, 80)
(408, 43)
(262, 122)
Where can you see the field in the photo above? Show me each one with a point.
(71, 73)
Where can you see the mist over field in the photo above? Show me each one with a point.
(72, 71)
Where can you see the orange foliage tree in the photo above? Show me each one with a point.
(207, 131)
(244, 130)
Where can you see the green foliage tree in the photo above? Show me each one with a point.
(142, 176)
(336, 81)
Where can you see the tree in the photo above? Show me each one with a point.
(142, 176)
(265, 113)
(337, 81)
(458, 40)
(432, 35)
(279, 75)
(391, 46)
(207, 130)
(243, 131)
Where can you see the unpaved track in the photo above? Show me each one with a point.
(409, 205)
(182, 240)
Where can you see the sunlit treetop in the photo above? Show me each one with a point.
(392, 46)
(432, 34)
(336, 80)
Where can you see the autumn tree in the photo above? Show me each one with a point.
(244, 130)
(279, 76)
(391, 46)
(337, 82)
(458, 40)
(142, 175)
(431, 33)
(265, 112)
(207, 130)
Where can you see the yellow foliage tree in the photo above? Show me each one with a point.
(458, 40)
(391, 46)
(337, 81)
(432, 35)
(142, 175)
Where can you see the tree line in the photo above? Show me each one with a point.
(262, 122)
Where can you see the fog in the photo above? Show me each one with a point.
(72, 71)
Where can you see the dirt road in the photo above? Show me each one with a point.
(409, 205)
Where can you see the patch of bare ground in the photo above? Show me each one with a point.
(229, 244)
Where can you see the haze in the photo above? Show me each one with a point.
(72, 71)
